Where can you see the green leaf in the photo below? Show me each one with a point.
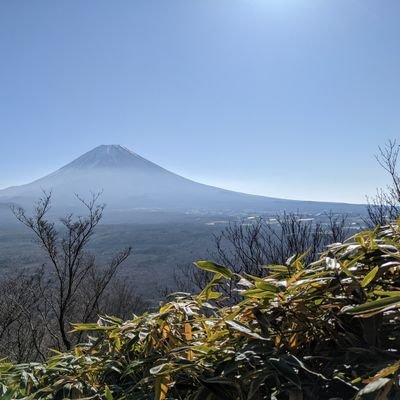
(275, 268)
(374, 305)
(216, 268)
(266, 286)
(375, 386)
(258, 294)
(208, 293)
(108, 393)
(237, 326)
(386, 293)
(369, 277)
(166, 367)
(212, 295)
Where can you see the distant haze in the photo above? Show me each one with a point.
(130, 184)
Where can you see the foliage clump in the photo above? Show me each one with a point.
(325, 330)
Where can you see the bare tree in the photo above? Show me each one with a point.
(120, 300)
(21, 332)
(187, 279)
(246, 246)
(385, 206)
(77, 285)
(337, 229)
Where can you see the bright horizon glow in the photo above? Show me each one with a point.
(281, 98)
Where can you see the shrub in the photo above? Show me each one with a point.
(325, 330)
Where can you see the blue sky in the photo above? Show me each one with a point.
(286, 98)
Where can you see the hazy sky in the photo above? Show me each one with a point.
(275, 97)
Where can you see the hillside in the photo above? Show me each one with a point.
(328, 330)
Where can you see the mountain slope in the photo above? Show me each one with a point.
(129, 183)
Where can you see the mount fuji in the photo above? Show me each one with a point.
(131, 184)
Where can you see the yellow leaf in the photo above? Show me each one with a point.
(165, 331)
(294, 278)
(187, 332)
(161, 387)
(293, 341)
